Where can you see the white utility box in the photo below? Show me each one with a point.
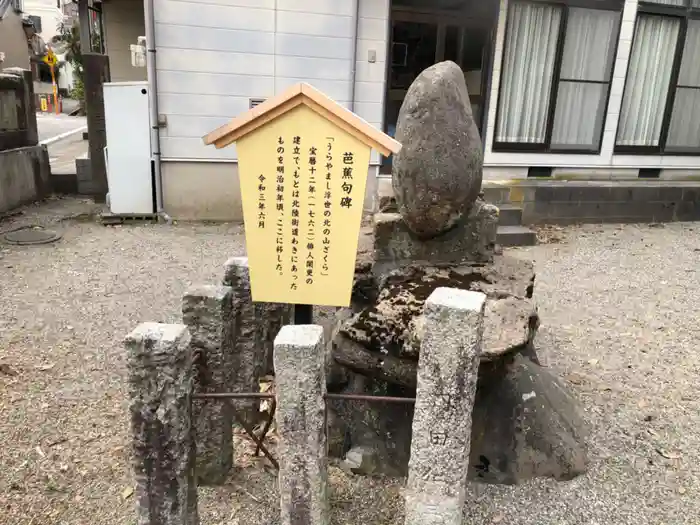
(128, 154)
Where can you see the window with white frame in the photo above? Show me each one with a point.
(556, 73)
(660, 110)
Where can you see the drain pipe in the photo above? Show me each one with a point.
(353, 71)
(151, 73)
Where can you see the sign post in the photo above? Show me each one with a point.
(303, 162)
(51, 60)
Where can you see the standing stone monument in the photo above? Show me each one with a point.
(447, 374)
(208, 313)
(437, 174)
(160, 368)
(440, 233)
(301, 387)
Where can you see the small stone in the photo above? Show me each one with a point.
(360, 460)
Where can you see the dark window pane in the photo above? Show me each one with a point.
(453, 44)
(419, 43)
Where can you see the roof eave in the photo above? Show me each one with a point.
(294, 96)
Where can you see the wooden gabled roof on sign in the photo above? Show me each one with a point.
(296, 95)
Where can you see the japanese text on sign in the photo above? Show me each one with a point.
(303, 246)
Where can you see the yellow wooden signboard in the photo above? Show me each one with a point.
(303, 163)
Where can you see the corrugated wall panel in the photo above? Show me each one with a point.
(215, 55)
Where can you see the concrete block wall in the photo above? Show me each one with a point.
(24, 176)
(558, 202)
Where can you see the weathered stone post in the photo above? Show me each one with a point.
(447, 374)
(247, 335)
(301, 387)
(269, 317)
(160, 388)
(208, 313)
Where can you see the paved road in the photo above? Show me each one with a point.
(53, 125)
(62, 154)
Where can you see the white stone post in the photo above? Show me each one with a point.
(447, 376)
(301, 387)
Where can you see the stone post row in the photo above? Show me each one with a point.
(208, 313)
(441, 433)
(160, 379)
(301, 387)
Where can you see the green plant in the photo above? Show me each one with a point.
(68, 41)
(78, 91)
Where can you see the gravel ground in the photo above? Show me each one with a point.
(618, 306)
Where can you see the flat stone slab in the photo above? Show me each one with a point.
(509, 323)
(389, 332)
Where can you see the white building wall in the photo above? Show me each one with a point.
(50, 13)
(500, 165)
(214, 56)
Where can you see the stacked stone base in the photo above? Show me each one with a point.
(472, 239)
(525, 424)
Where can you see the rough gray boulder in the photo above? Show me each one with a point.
(437, 174)
(524, 425)
(527, 425)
